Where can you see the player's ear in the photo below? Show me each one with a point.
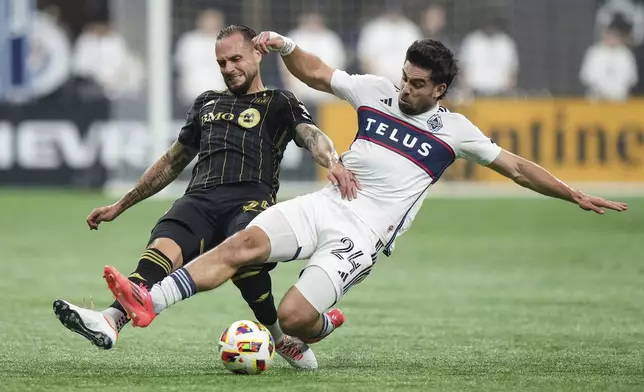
(439, 90)
(258, 55)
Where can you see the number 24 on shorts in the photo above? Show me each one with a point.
(348, 247)
(253, 204)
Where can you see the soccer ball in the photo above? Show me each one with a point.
(246, 347)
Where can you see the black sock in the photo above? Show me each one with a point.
(153, 267)
(255, 286)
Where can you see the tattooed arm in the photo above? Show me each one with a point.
(160, 174)
(323, 152)
(318, 143)
(155, 178)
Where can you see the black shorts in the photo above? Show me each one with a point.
(202, 219)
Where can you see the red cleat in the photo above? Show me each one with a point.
(336, 316)
(337, 319)
(135, 300)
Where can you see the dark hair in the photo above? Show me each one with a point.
(432, 55)
(245, 31)
(621, 25)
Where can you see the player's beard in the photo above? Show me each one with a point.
(405, 107)
(410, 110)
(243, 87)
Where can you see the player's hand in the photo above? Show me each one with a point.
(268, 41)
(598, 204)
(345, 180)
(103, 214)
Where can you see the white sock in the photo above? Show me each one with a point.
(327, 327)
(174, 288)
(276, 332)
(164, 294)
(115, 317)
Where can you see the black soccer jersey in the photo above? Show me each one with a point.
(241, 137)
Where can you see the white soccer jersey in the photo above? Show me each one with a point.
(397, 157)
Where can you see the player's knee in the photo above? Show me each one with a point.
(249, 246)
(293, 321)
(294, 318)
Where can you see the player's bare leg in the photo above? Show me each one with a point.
(297, 316)
(206, 272)
(101, 328)
(303, 310)
(214, 268)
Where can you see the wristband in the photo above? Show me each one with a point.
(288, 48)
(289, 45)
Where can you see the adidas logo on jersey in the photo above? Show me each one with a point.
(386, 101)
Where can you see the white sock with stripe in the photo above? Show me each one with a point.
(174, 288)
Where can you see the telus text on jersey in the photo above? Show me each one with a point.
(396, 135)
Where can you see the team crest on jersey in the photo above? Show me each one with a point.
(249, 118)
(435, 123)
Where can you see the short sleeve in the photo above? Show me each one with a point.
(354, 88)
(294, 111)
(474, 145)
(190, 134)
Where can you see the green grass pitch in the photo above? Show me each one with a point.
(516, 295)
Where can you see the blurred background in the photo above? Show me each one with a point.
(92, 91)
(486, 293)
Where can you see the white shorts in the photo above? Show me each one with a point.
(327, 233)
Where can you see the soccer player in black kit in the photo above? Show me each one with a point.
(238, 136)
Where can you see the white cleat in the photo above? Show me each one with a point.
(90, 324)
(297, 353)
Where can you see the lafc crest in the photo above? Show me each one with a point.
(249, 118)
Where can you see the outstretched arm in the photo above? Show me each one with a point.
(156, 177)
(305, 66)
(532, 176)
(160, 174)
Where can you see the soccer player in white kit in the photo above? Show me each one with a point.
(404, 143)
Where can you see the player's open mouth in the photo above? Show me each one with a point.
(235, 78)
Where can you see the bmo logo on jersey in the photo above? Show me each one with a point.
(247, 119)
(420, 147)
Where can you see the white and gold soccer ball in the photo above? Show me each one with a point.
(246, 347)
